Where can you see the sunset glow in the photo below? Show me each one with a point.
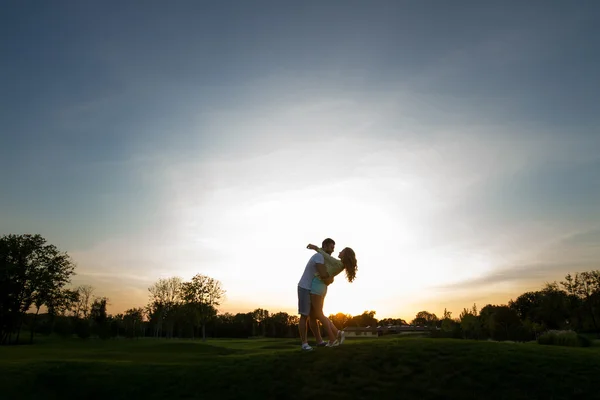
(459, 166)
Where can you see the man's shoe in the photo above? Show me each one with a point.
(306, 347)
(322, 344)
(334, 344)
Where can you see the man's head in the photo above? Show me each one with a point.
(328, 245)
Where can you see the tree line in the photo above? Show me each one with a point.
(35, 275)
(571, 304)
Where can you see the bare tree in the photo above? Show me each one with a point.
(84, 301)
(165, 295)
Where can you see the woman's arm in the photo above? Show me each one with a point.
(330, 260)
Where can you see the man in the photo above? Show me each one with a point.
(315, 264)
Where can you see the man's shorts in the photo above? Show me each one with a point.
(303, 301)
(318, 287)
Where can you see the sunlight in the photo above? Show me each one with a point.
(353, 304)
(247, 230)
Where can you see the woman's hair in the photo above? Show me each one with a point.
(349, 261)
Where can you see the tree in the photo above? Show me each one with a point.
(99, 317)
(84, 301)
(279, 324)
(224, 325)
(203, 294)
(341, 320)
(392, 321)
(585, 287)
(117, 323)
(502, 323)
(527, 306)
(81, 311)
(293, 321)
(424, 318)
(367, 318)
(448, 325)
(505, 323)
(244, 324)
(554, 307)
(469, 323)
(133, 320)
(485, 319)
(30, 272)
(260, 316)
(165, 296)
(447, 314)
(59, 303)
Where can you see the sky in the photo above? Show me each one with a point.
(455, 146)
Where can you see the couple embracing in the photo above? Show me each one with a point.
(312, 288)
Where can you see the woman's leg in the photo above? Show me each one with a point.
(314, 327)
(317, 303)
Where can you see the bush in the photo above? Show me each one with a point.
(453, 332)
(521, 333)
(103, 331)
(62, 327)
(563, 338)
(82, 328)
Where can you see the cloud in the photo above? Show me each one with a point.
(448, 200)
(521, 275)
(590, 238)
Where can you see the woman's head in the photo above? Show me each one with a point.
(348, 258)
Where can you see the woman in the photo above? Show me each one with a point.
(318, 289)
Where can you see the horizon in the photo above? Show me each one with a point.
(409, 317)
(455, 148)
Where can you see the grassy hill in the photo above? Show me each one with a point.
(407, 368)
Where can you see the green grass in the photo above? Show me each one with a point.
(564, 338)
(407, 368)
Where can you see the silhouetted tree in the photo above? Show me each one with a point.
(367, 318)
(293, 321)
(554, 307)
(470, 324)
(341, 320)
(84, 301)
(30, 272)
(505, 324)
(583, 290)
(165, 296)
(425, 318)
(99, 317)
(133, 321)
(449, 327)
(278, 323)
(528, 306)
(59, 303)
(117, 324)
(203, 294)
(260, 318)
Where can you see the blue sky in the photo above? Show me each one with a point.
(454, 145)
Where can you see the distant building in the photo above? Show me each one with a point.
(358, 331)
(390, 329)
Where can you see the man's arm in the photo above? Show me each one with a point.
(323, 274)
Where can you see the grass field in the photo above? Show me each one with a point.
(405, 368)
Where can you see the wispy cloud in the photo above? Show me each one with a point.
(589, 238)
(450, 155)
